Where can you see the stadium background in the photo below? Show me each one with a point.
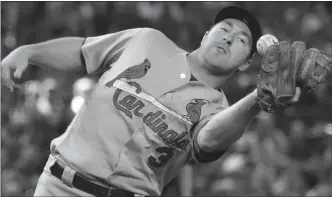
(286, 153)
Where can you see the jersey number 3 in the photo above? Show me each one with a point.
(166, 154)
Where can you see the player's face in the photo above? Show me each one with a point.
(227, 45)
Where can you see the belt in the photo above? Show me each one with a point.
(85, 185)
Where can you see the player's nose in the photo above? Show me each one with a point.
(228, 39)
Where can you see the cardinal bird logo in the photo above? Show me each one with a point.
(134, 72)
(194, 109)
(137, 71)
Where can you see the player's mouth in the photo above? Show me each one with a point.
(221, 49)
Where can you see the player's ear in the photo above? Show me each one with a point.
(204, 37)
(245, 65)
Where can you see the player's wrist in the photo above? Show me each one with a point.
(254, 95)
(256, 100)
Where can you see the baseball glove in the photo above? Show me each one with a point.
(313, 69)
(276, 84)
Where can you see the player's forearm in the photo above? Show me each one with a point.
(60, 54)
(228, 126)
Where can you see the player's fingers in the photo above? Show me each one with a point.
(6, 78)
(18, 73)
(5, 75)
(13, 85)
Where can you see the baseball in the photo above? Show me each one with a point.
(265, 42)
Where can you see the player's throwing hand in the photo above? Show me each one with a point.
(16, 62)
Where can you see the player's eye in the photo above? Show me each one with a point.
(242, 40)
(224, 29)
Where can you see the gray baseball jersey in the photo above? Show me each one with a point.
(135, 131)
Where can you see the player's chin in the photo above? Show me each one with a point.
(216, 59)
(220, 69)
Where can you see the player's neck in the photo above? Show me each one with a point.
(204, 75)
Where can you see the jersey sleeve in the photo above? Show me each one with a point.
(98, 53)
(198, 155)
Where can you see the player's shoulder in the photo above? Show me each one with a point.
(152, 31)
(141, 30)
(158, 38)
(154, 34)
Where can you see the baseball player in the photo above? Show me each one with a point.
(155, 107)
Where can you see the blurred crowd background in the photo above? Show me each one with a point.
(287, 153)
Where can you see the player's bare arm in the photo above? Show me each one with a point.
(61, 54)
(227, 126)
